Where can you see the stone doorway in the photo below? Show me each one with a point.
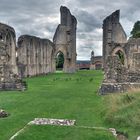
(59, 61)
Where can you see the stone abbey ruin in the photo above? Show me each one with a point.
(37, 56)
(121, 57)
(34, 56)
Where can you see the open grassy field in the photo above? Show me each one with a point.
(69, 96)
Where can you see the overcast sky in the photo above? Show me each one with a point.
(41, 17)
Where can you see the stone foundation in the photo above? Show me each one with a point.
(8, 86)
(107, 88)
(46, 121)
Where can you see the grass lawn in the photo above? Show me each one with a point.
(69, 96)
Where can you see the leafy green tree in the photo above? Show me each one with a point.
(59, 60)
(136, 30)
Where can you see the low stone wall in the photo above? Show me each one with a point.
(18, 85)
(107, 88)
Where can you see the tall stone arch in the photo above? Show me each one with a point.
(65, 39)
(56, 57)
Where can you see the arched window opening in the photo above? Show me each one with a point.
(120, 56)
(59, 61)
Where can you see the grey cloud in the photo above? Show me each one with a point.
(22, 15)
(30, 17)
(88, 21)
(30, 6)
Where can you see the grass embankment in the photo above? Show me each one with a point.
(124, 113)
(68, 96)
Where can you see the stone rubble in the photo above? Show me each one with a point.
(3, 113)
(46, 121)
(118, 135)
(113, 130)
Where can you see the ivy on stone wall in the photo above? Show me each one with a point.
(121, 56)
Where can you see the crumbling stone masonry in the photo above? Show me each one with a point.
(35, 56)
(9, 79)
(121, 58)
(65, 39)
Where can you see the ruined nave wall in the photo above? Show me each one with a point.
(35, 56)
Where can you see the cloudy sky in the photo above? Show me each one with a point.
(41, 17)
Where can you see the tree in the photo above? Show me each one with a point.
(136, 30)
(59, 60)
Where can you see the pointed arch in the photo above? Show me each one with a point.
(119, 51)
(59, 60)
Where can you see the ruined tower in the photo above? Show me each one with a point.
(65, 40)
(9, 79)
(113, 33)
(92, 56)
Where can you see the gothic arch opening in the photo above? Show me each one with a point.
(121, 55)
(59, 61)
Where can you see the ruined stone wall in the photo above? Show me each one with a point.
(65, 39)
(9, 79)
(8, 40)
(121, 58)
(35, 56)
(112, 33)
(132, 49)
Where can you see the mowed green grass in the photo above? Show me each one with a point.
(67, 96)
(63, 133)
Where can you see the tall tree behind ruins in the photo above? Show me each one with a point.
(136, 30)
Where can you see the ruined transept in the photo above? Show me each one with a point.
(121, 57)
